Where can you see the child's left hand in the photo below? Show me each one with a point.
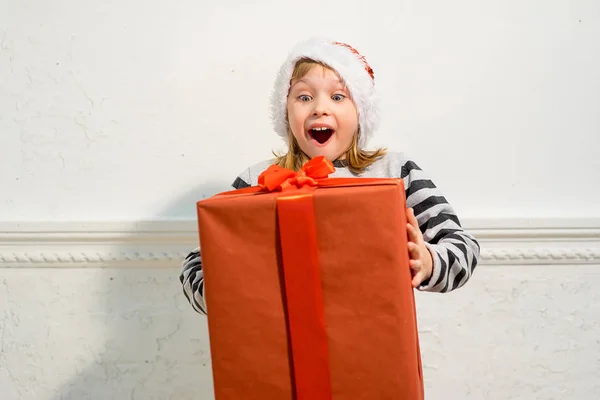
(421, 262)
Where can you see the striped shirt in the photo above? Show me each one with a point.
(455, 251)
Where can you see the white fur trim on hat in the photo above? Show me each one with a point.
(352, 69)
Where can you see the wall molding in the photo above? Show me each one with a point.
(164, 243)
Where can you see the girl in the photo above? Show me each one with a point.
(324, 104)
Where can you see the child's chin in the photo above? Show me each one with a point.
(329, 152)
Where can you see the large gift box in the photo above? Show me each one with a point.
(308, 289)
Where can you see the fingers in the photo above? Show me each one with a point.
(414, 251)
(410, 216)
(418, 272)
(415, 265)
(413, 234)
(418, 278)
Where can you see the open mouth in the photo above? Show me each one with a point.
(321, 135)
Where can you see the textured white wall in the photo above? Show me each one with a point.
(122, 109)
(516, 333)
(129, 110)
(99, 334)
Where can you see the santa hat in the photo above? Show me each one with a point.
(352, 68)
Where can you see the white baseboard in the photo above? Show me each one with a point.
(165, 243)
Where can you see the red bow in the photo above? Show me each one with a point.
(276, 178)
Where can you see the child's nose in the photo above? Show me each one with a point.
(321, 107)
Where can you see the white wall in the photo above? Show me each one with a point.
(117, 109)
(117, 112)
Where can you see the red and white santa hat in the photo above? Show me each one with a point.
(352, 68)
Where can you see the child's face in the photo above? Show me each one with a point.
(321, 115)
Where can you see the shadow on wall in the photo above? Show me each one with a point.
(155, 345)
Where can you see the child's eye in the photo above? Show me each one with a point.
(304, 97)
(338, 97)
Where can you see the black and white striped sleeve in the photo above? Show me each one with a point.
(192, 276)
(192, 279)
(455, 251)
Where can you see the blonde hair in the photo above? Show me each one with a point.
(356, 158)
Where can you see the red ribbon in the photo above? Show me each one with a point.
(304, 297)
(312, 175)
(301, 273)
(276, 178)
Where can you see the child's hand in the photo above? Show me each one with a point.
(421, 262)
